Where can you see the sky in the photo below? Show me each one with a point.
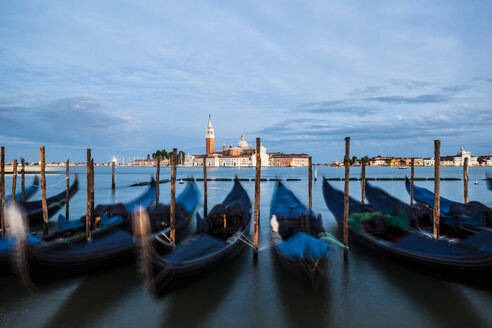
(127, 78)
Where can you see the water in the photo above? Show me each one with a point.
(369, 291)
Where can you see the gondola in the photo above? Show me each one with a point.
(420, 216)
(34, 209)
(217, 240)
(473, 213)
(393, 236)
(295, 235)
(66, 254)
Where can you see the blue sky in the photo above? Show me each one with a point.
(127, 78)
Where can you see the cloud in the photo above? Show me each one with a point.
(422, 99)
(456, 88)
(73, 120)
(489, 80)
(367, 90)
(412, 83)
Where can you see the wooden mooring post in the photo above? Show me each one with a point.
(2, 189)
(346, 162)
(437, 188)
(363, 182)
(67, 191)
(256, 214)
(157, 177)
(172, 213)
(205, 186)
(43, 191)
(89, 202)
(412, 179)
(14, 178)
(23, 180)
(113, 173)
(310, 184)
(465, 179)
(92, 187)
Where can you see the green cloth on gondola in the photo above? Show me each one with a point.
(356, 220)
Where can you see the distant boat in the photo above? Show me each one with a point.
(181, 181)
(476, 182)
(402, 167)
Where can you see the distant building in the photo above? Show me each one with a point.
(295, 160)
(459, 159)
(240, 156)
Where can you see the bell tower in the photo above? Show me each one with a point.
(209, 139)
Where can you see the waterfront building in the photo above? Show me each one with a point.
(294, 160)
(240, 156)
(459, 159)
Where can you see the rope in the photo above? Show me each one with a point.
(56, 184)
(165, 243)
(249, 243)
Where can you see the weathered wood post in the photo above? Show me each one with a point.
(412, 179)
(2, 189)
(92, 187)
(437, 188)
(346, 162)
(23, 180)
(363, 181)
(67, 198)
(43, 192)
(205, 186)
(310, 178)
(465, 179)
(172, 213)
(14, 178)
(257, 197)
(113, 173)
(89, 202)
(157, 177)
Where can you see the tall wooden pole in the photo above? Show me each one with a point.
(92, 187)
(465, 179)
(173, 199)
(346, 162)
(412, 179)
(89, 202)
(257, 196)
(113, 173)
(67, 198)
(157, 177)
(205, 186)
(2, 189)
(437, 188)
(363, 182)
(23, 180)
(310, 189)
(14, 178)
(43, 192)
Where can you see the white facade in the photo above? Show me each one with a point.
(429, 161)
(459, 159)
(264, 157)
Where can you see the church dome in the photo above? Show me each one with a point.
(242, 143)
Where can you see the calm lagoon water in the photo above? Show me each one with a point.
(368, 291)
